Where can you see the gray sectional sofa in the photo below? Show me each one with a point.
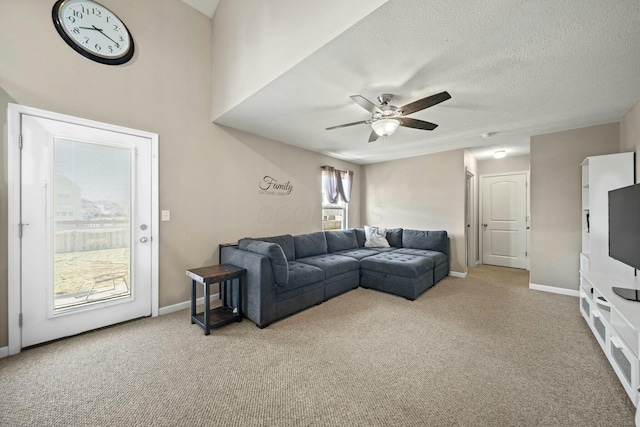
(286, 274)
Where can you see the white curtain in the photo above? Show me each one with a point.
(337, 184)
(345, 181)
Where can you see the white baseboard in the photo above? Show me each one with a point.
(458, 274)
(554, 290)
(4, 352)
(184, 305)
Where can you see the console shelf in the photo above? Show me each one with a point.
(615, 322)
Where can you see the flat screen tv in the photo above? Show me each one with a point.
(624, 225)
(624, 232)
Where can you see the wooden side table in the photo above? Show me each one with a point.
(206, 276)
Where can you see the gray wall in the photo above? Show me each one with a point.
(556, 200)
(504, 165)
(209, 174)
(630, 134)
(423, 192)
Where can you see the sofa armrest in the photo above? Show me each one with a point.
(259, 295)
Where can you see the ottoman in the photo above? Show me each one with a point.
(400, 274)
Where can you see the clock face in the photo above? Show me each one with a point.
(93, 31)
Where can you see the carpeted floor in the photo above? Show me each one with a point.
(480, 351)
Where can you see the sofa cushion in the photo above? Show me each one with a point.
(431, 240)
(375, 237)
(437, 257)
(286, 243)
(274, 252)
(358, 253)
(301, 274)
(360, 237)
(394, 237)
(398, 264)
(340, 240)
(332, 264)
(310, 244)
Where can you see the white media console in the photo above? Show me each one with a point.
(615, 322)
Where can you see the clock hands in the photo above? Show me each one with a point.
(101, 31)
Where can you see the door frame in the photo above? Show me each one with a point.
(470, 217)
(527, 209)
(15, 113)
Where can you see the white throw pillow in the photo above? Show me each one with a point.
(375, 237)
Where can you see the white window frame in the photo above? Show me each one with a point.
(341, 205)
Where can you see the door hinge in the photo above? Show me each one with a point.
(20, 141)
(20, 320)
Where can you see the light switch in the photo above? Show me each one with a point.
(166, 216)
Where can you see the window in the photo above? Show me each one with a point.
(336, 194)
(334, 215)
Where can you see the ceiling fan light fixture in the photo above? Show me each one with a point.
(499, 154)
(385, 127)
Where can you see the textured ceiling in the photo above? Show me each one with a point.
(518, 68)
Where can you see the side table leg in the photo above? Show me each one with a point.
(193, 300)
(239, 306)
(207, 302)
(223, 293)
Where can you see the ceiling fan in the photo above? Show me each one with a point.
(385, 118)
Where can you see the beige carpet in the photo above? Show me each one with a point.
(481, 351)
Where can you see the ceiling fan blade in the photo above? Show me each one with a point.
(373, 137)
(423, 103)
(365, 103)
(347, 124)
(417, 124)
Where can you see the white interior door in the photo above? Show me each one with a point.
(504, 220)
(86, 227)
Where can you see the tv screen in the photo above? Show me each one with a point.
(624, 225)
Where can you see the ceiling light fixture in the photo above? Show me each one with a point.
(499, 154)
(385, 127)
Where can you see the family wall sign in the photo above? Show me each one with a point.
(270, 186)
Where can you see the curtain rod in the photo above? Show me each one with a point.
(339, 170)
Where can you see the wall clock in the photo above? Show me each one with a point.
(93, 31)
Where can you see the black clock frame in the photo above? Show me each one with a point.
(108, 61)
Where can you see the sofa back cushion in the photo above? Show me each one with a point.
(310, 244)
(274, 252)
(286, 243)
(431, 240)
(340, 240)
(394, 237)
(360, 236)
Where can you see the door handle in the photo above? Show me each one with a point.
(484, 225)
(144, 240)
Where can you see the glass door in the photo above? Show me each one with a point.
(86, 215)
(91, 223)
